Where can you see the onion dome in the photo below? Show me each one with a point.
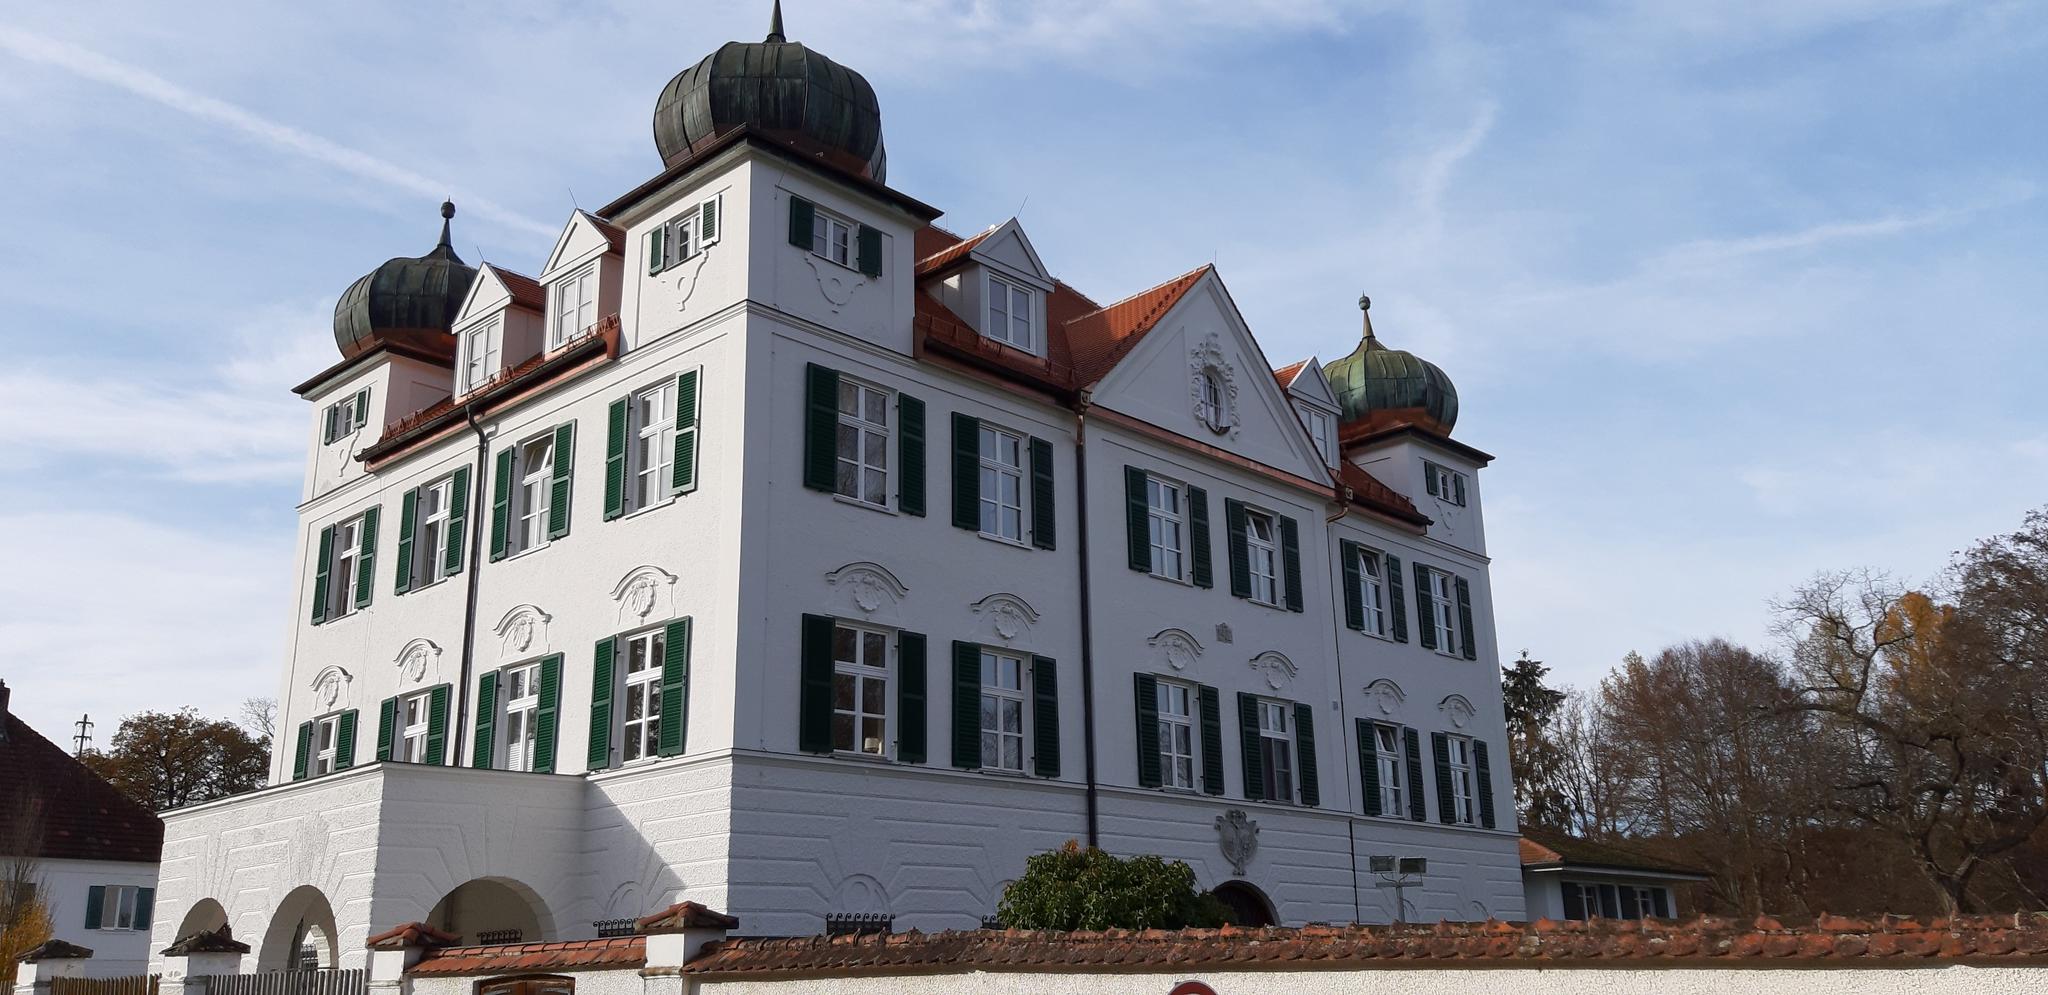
(406, 301)
(1391, 384)
(780, 88)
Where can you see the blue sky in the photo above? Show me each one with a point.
(1735, 292)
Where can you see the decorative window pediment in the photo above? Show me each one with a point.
(1386, 696)
(417, 660)
(1458, 710)
(523, 632)
(870, 586)
(1276, 668)
(330, 687)
(1177, 648)
(645, 592)
(1007, 614)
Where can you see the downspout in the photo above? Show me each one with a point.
(1087, 622)
(475, 567)
(1344, 727)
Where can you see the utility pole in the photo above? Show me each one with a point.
(84, 737)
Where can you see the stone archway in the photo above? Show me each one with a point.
(302, 933)
(205, 916)
(493, 910)
(1248, 905)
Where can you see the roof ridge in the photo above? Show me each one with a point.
(1126, 300)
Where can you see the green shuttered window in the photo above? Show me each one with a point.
(501, 505)
(1305, 754)
(802, 215)
(1482, 772)
(1397, 605)
(1446, 802)
(1240, 551)
(683, 477)
(486, 720)
(564, 469)
(408, 520)
(458, 523)
(303, 757)
(1290, 562)
(1368, 766)
(366, 563)
(603, 680)
(1137, 534)
(966, 705)
(1411, 755)
(870, 248)
(1465, 643)
(1204, 570)
(547, 715)
(320, 568)
(910, 456)
(911, 684)
(1045, 717)
(821, 428)
(1145, 689)
(1044, 526)
(1354, 599)
(675, 688)
(966, 472)
(1249, 746)
(1210, 701)
(814, 706)
(615, 458)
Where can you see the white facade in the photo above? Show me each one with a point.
(745, 814)
(118, 939)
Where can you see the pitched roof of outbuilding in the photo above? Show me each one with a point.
(607, 953)
(1542, 848)
(83, 817)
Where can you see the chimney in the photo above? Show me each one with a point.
(4, 695)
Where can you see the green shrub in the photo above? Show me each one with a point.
(1073, 888)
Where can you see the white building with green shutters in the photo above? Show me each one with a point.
(777, 549)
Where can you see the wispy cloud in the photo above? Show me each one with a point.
(1707, 252)
(88, 64)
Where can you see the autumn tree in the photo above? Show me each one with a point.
(166, 760)
(1533, 752)
(1591, 782)
(24, 918)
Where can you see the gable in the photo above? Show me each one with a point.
(584, 238)
(1310, 385)
(1007, 249)
(1159, 381)
(487, 295)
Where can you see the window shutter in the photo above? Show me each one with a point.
(1211, 704)
(1354, 599)
(1458, 490)
(458, 522)
(1411, 755)
(675, 688)
(362, 407)
(1203, 571)
(484, 754)
(821, 426)
(1145, 688)
(95, 904)
(654, 261)
(1429, 477)
(1305, 754)
(1240, 554)
(684, 476)
(1045, 717)
(320, 574)
(366, 563)
(1446, 805)
(1369, 766)
(305, 751)
(814, 699)
(1397, 603)
(408, 513)
(1044, 527)
(327, 426)
(910, 456)
(1465, 642)
(707, 222)
(870, 246)
(615, 458)
(501, 505)
(1482, 772)
(602, 673)
(1425, 608)
(966, 472)
(1137, 531)
(145, 905)
(565, 468)
(1248, 746)
(966, 705)
(912, 728)
(345, 741)
(1290, 561)
(387, 719)
(437, 724)
(547, 715)
(802, 216)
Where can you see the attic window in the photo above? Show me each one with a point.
(682, 237)
(1212, 406)
(346, 415)
(1009, 313)
(1443, 483)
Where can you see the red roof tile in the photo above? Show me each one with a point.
(519, 958)
(83, 817)
(1286, 374)
(1368, 491)
(525, 290)
(684, 915)
(931, 239)
(1827, 940)
(1102, 337)
(944, 259)
(412, 934)
(612, 233)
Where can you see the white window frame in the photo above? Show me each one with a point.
(640, 739)
(117, 907)
(520, 715)
(480, 350)
(326, 745)
(532, 494)
(1215, 400)
(343, 417)
(1322, 430)
(344, 558)
(1004, 323)
(1166, 527)
(1390, 758)
(873, 442)
(430, 535)
(414, 714)
(683, 231)
(1262, 556)
(1464, 794)
(1445, 484)
(1180, 766)
(1372, 590)
(1276, 750)
(995, 472)
(833, 237)
(651, 457)
(573, 297)
(1004, 699)
(1443, 595)
(864, 672)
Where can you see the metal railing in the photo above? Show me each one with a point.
(345, 982)
(499, 937)
(607, 928)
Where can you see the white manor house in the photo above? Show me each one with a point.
(779, 550)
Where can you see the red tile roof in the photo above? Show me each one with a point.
(412, 934)
(684, 915)
(931, 239)
(612, 233)
(1102, 337)
(525, 290)
(1286, 374)
(83, 817)
(1367, 490)
(940, 329)
(1828, 940)
(934, 263)
(522, 958)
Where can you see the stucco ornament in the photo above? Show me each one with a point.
(523, 631)
(1238, 836)
(1275, 667)
(1176, 647)
(871, 585)
(330, 686)
(1458, 710)
(1008, 614)
(1386, 696)
(836, 282)
(644, 592)
(417, 656)
(686, 280)
(1223, 634)
(1212, 387)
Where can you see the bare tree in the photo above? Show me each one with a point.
(1590, 775)
(24, 918)
(259, 716)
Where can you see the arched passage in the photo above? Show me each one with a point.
(301, 933)
(205, 916)
(1248, 905)
(493, 910)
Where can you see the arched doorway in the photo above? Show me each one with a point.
(301, 936)
(205, 916)
(493, 910)
(1248, 905)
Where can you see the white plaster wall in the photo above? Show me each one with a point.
(63, 886)
(656, 835)
(706, 284)
(792, 280)
(1397, 463)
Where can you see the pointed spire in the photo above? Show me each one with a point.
(1365, 309)
(447, 216)
(775, 25)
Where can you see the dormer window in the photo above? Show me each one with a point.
(575, 305)
(1009, 313)
(1322, 430)
(479, 355)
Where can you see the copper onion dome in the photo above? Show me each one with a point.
(1375, 380)
(406, 301)
(784, 90)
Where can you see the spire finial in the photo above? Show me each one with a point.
(1365, 308)
(447, 216)
(775, 24)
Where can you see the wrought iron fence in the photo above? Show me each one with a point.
(134, 984)
(348, 982)
(499, 937)
(607, 928)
